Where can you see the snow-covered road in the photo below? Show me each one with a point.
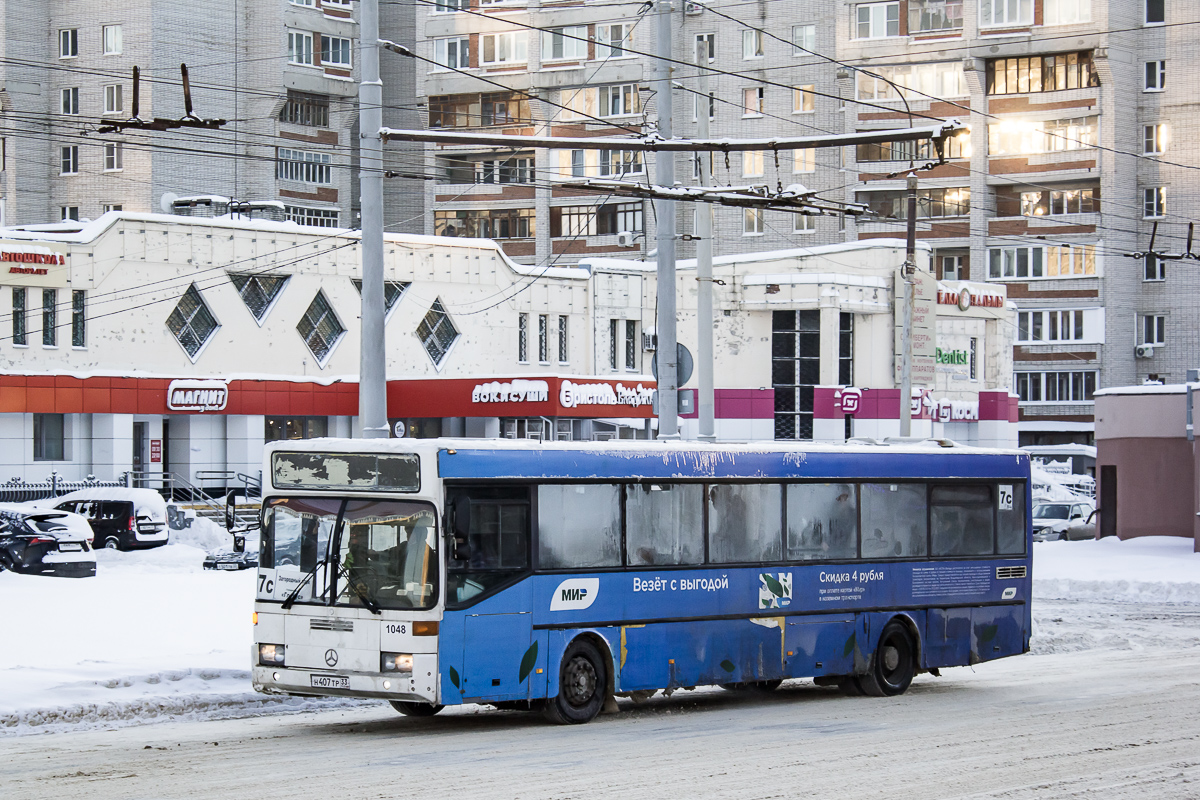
(1110, 709)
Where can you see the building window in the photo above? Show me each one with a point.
(1156, 12)
(804, 101)
(336, 52)
(107, 207)
(752, 221)
(931, 203)
(1156, 76)
(804, 39)
(392, 292)
(304, 166)
(563, 340)
(795, 370)
(50, 317)
(523, 338)
(1005, 12)
(942, 79)
(706, 46)
(1041, 73)
(631, 345)
(619, 101)
(611, 41)
(1154, 329)
(20, 334)
(68, 213)
(313, 217)
(804, 223)
(698, 102)
(70, 100)
(502, 109)
(612, 343)
(752, 163)
(1049, 326)
(753, 44)
(320, 328)
(309, 110)
(1154, 269)
(878, 20)
(846, 349)
(1154, 139)
(1060, 201)
(48, 438)
(258, 292)
(1066, 12)
(543, 338)
(1025, 263)
(620, 162)
(453, 52)
(956, 146)
(449, 6)
(752, 102)
(504, 48)
(191, 322)
(1056, 387)
(954, 268)
(1154, 202)
(78, 318)
(437, 333)
(300, 48)
(114, 101)
(565, 44)
(111, 34)
(277, 429)
(498, 223)
(804, 159)
(935, 15)
(114, 156)
(68, 43)
(1018, 137)
(68, 160)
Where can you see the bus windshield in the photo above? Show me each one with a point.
(360, 552)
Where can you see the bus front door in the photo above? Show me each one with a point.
(494, 653)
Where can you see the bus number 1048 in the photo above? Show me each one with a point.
(397, 628)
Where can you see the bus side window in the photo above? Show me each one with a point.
(664, 524)
(893, 520)
(579, 526)
(961, 520)
(745, 522)
(1010, 530)
(497, 542)
(822, 520)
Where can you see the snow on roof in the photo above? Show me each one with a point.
(141, 498)
(1151, 388)
(1060, 450)
(771, 255)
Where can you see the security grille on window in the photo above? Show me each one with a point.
(753, 44)
(616, 101)
(453, 52)
(309, 110)
(543, 338)
(392, 292)
(300, 48)
(1056, 387)
(320, 328)
(50, 317)
(70, 100)
(804, 39)
(563, 340)
(523, 338)
(611, 40)
(1041, 73)
(1154, 202)
(191, 322)
(752, 102)
(304, 166)
(612, 343)
(569, 43)
(1154, 329)
(935, 15)
(504, 48)
(879, 20)
(1154, 268)
(795, 370)
(258, 292)
(335, 52)
(631, 341)
(68, 160)
(1154, 139)
(111, 36)
(1005, 12)
(1156, 76)
(620, 162)
(437, 333)
(114, 101)
(68, 43)
(314, 217)
(78, 318)
(114, 156)
(20, 335)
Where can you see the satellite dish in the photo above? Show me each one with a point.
(167, 202)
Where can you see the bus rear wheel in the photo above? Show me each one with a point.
(894, 664)
(582, 682)
(415, 709)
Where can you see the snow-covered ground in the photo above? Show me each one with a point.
(153, 636)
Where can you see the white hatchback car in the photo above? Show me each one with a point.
(1052, 518)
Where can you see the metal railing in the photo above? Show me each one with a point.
(16, 490)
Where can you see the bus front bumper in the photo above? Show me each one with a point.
(418, 686)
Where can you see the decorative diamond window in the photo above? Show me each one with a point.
(437, 332)
(191, 322)
(392, 292)
(320, 328)
(258, 291)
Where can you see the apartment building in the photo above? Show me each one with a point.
(280, 72)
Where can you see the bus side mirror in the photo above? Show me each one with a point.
(230, 509)
(460, 527)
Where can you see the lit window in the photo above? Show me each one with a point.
(1041, 73)
(300, 48)
(879, 20)
(191, 322)
(1154, 202)
(1154, 139)
(336, 52)
(804, 159)
(752, 44)
(752, 102)
(111, 34)
(258, 292)
(940, 79)
(1156, 76)
(320, 328)
(804, 101)
(437, 333)
(752, 163)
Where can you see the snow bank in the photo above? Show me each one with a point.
(1159, 569)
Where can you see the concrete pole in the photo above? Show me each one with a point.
(910, 265)
(372, 380)
(704, 272)
(668, 384)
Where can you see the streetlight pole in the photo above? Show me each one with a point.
(668, 384)
(910, 267)
(704, 273)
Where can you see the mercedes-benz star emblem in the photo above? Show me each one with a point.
(331, 657)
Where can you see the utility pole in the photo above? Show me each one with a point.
(910, 267)
(372, 378)
(668, 384)
(704, 301)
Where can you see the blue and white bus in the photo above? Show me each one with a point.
(563, 575)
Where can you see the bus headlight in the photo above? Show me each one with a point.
(271, 655)
(396, 662)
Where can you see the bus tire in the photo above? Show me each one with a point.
(894, 663)
(582, 683)
(415, 709)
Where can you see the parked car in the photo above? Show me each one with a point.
(37, 541)
(1052, 519)
(1083, 530)
(231, 561)
(123, 519)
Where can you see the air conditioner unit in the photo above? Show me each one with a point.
(692, 9)
(1144, 351)
(625, 239)
(649, 342)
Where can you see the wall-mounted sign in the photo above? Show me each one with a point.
(944, 409)
(924, 322)
(197, 395)
(573, 395)
(964, 299)
(847, 400)
(514, 391)
(156, 451)
(34, 265)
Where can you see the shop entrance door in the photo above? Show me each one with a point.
(139, 453)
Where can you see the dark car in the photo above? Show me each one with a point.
(123, 519)
(231, 561)
(44, 542)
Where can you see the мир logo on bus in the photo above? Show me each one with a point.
(575, 594)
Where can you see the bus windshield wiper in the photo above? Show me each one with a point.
(290, 600)
(367, 600)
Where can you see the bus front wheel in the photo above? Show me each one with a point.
(894, 664)
(415, 709)
(582, 681)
